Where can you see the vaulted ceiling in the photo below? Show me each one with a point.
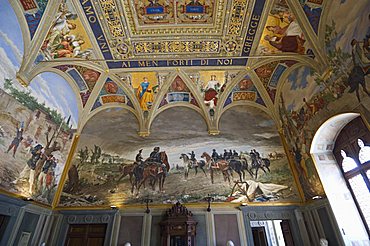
(174, 39)
(284, 63)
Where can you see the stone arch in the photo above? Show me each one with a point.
(337, 192)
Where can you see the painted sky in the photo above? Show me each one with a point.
(48, 87)
(299, 84)
(351, 19)
(181, 130)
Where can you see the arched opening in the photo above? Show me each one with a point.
(353, 157)
(341, 185)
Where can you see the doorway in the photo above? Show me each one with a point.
(3, 223)
(272, 233)
(259, 236)
(86, 234)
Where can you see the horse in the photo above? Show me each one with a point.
(127, 170)
(238, 165)
(164, 159)
(220, 165)
(256, 164)
(262, 163)
(201, 164)
(151, 170)
(245, 157)
(187, 164)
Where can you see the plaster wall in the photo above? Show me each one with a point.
(52, 226)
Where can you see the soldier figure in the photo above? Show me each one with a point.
(235, 154)
(254, 158)
(214, 155)
(225, 154)
(154, 156)
(192, 158)
(16, 141)
(139, 157)
(258, 157)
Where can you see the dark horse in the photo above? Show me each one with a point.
(151, 171)
(239, 165)
(262, 163)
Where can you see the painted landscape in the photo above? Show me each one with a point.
(104, 170)
(37, 122)
(308, 99)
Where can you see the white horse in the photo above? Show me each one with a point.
(187, 164)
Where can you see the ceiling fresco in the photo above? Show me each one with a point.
(67, 38)
(178, 92)
(172, 24)
(94, 82)
(84, 78)
(33, 12)
(313, 11)
(111, 93)
(244, 90)
(270, 74)
(282, 32)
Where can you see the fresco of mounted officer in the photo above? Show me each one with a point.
(155, 157)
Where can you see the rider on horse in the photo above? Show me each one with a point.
(193, 159)
(139, 158)
(215, 155)
(257, 157)
(140, 164)
(235, 154)
(226, 154)
(156, 157)
(254, 158)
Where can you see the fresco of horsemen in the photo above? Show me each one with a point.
(156, 167)
(152, 170)
(227, 163)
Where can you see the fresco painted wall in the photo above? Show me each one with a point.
(245, 90)
(282, 33)
(103, 164)
(178, 92)
(84, 78)
(67, 37)
(29, 118)
(308, 99)
(146, 86)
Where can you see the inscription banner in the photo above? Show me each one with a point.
(96, 28)
(253, 26)
(221, 62)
